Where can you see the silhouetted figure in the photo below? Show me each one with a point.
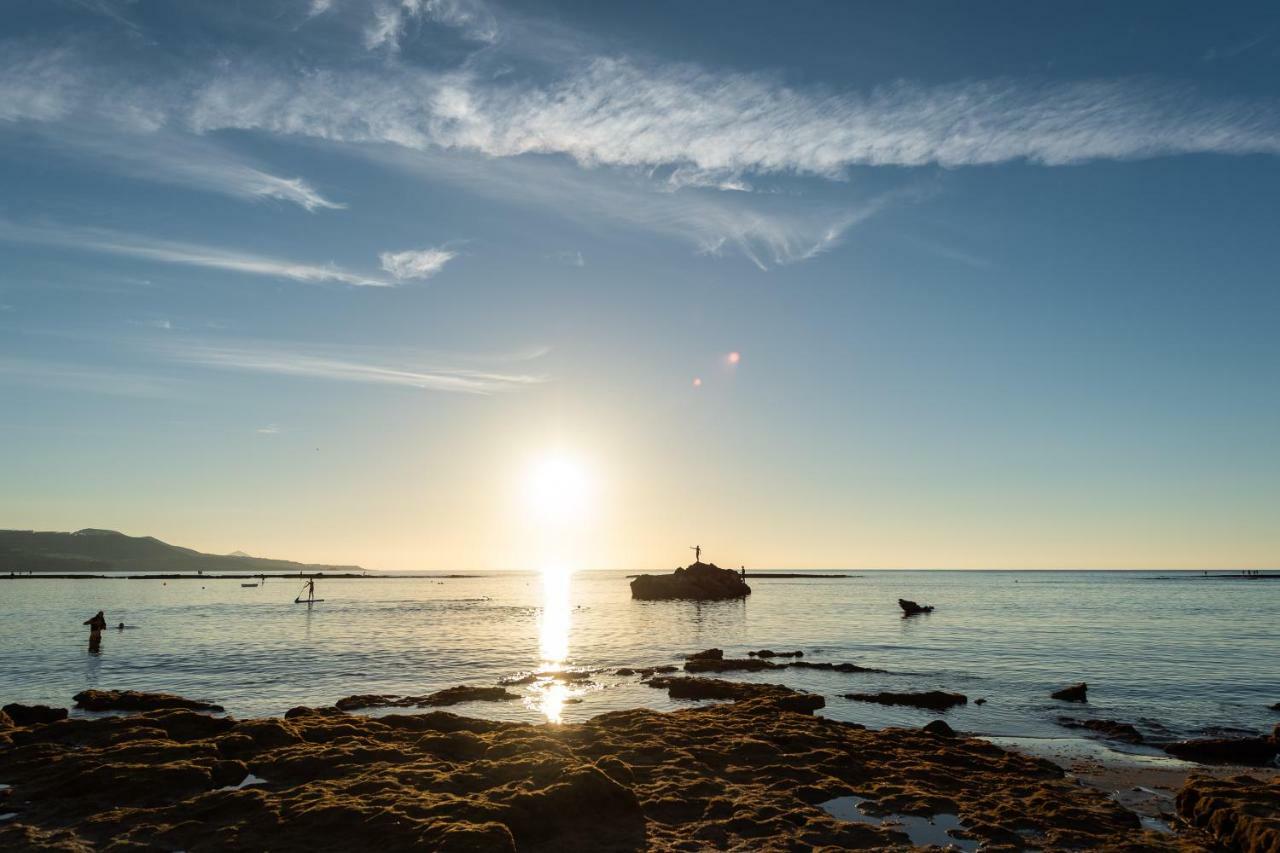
(120, 627)
(743, 573)
(697, 553)
(96, 626)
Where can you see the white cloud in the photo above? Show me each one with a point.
(390, 18)
(415, 263)
(171, 252)
(364, 365)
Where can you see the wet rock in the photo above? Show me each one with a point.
(1260, 751)
(707, 654)
(729, 665)
(939, 728)
(834, 667)
(933, 700)
(910, 608)
(743, 775)
(30, 715)
(1276, 707)
(1240, 813)
(1074, 693)
(770, 653)
(980, 701)
(1108, 728)
(132, 700)
(448, 696)
(699, 581)
(646, 671)
(6, 722)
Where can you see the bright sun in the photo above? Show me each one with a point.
(558, 489)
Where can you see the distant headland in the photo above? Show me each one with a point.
(92, 550)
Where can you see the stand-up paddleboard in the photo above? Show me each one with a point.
(310, 589)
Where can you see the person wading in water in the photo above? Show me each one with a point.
(96, 626)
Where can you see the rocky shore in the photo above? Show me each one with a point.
(750, 774)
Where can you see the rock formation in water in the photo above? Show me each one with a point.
(132, 700)
(933, 700)
(770, 653)
(441, 698)
(699, 581)
(1261, 751)
(1107, 728)
(729, 665)
(1074, 693)
(910, 608)
(25, 715)
(748, 775)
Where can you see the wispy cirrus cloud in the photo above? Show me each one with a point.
(430, 372)
(415, 263)
(43, 373)
(389, 20)
(189, 254)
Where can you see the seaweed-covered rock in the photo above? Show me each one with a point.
(698, 581)
(939, 728)
(1107, 728)
(30, 715)
(133, 700)
(706, 654)
(1240, 813)
(933, 700)
(1258, 751)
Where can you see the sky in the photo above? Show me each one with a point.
(445, 284)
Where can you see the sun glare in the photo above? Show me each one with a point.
(558, 489)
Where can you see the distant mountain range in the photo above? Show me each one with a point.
(92, 550)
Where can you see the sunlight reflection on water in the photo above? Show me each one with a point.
(553, 637)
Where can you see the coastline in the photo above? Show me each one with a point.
(760, 771)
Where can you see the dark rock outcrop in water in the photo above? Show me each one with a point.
(645, 671)
(910, 608)
(26, 715)
(770, 653)
(746, 775)
(1074, 693)
(1261, 751)
(441, 698)
(699, 581)
(729, 665)
(833, 667)
(933, 700)
(681, 687)
(1108, 728)
(1240, 813)
(706, 654)
(133, 700)
(938, 728)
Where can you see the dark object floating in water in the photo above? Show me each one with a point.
(1259, 751)
(1107, 728)
(698, 581)
(448, 696)
(248, 584)
(770, 653)
(933, 700)
(1276, 707)
(1074, 693)
(910, 608)
(27, 715)
(135, 700)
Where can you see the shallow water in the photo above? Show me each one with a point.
(1182, 651)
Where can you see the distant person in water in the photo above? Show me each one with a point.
(742, 573)
(96, 626)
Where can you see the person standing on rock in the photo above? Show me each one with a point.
(697, 553)
(96, 626)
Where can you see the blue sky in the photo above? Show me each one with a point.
(323, 280)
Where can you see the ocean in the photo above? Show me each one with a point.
(1178, 654)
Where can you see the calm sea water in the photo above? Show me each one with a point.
(1186, 652)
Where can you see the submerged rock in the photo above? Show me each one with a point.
(448, 696)
(834, 667)
(1260, 751)
(933, 700)
(30, 715)
(681, 687)
(699, 581)
(1240, 813)
(910, 608)
(770, 653)
(706, 654)
(1074, 693)
(1108, 728)
(645, 671)
(729, 665)
(133, 700)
